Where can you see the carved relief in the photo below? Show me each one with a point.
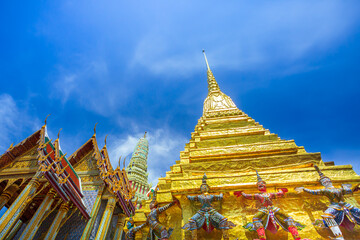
(24, 164)
(90, 179)
(88, 164)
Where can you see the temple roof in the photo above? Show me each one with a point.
(15, 151)
(116, 181)
(84, 150)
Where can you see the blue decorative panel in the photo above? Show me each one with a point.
(73, 228)
(89, 199)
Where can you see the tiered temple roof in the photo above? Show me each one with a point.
(51, 196)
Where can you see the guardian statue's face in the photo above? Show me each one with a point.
(326, 182)
(204, 189)
(262, 186)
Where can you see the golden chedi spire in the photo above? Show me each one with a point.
(217, 103)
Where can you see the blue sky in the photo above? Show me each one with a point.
(137, 66)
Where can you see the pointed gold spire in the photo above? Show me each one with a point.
(207, 63)
(212, 84)
(217, 103)
(145, 134)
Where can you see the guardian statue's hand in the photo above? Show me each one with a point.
(299, 189)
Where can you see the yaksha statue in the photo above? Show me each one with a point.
(132, 230)
(157, 230)
(339, 212)
(207, 217)
(268, 216)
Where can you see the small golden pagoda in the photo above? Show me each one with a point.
(229, 146)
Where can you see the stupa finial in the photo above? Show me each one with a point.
(212, 84)
(207, 63)
(145, 134)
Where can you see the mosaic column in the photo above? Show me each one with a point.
(106, 219)
(93, 214)
(14, 230)
(33, 224)
(119, 226)
(7, 194)
(54, 228)
(12, 215)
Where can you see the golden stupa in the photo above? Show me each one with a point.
(229, 146)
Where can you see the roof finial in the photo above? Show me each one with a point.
(105, 140)
(124, 162)
(207, 64)
(119, 160)
(145, 134)
(47, 118)
(11, 147)
(59, 133)
(95, 128)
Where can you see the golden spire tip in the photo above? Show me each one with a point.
(207, 64)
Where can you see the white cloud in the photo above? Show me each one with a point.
(89, 85)
(244, 36)
(14, 122)
(113, 46)
(164, 149)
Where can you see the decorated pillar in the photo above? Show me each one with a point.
(7, 194)
(119, 226)
(93, 214)
(33, 224)
(12, 215)
(14, 230)
(106, 219)
(54, 228)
